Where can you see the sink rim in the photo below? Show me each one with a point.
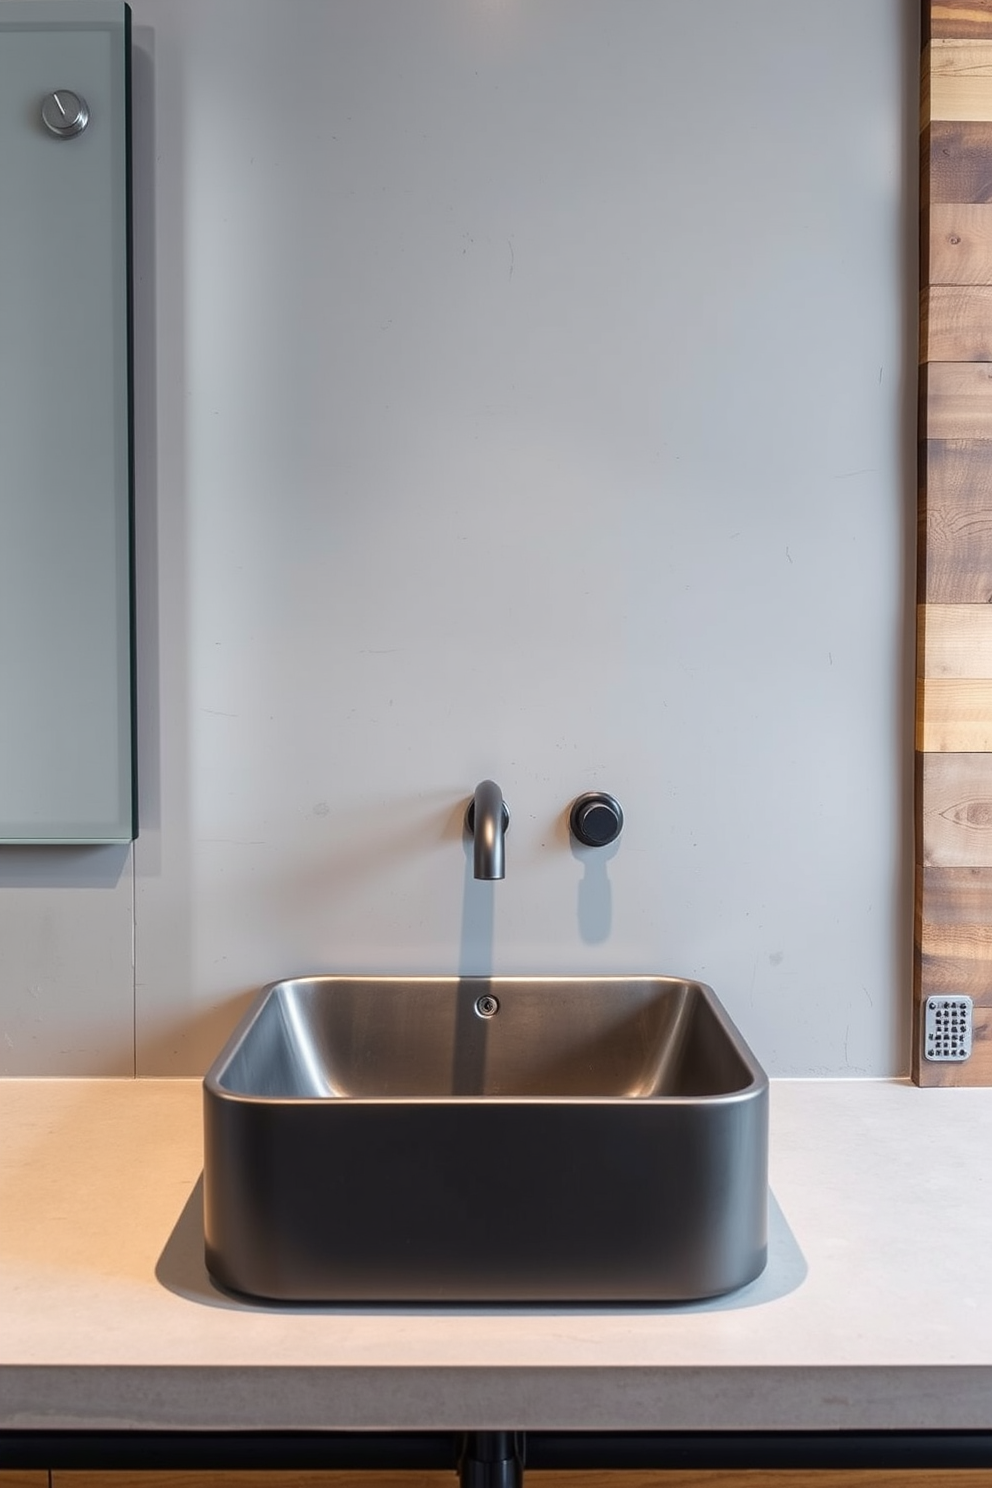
(755, 1087)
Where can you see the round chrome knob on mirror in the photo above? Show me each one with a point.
(64, 113)
(595, 819)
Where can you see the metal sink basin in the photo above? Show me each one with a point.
(524, 1139)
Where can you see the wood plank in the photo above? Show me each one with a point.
(954, 715)
(958, 473)
(956, 159)
(960, 243)
(926, 118)
(765, 1478)
(953, 919)
(959, 75)
(953, 956)
(958, 963)
(956, 323)
(953, 898)
(217, 1478)
(954, 930)
(974, 1071)
(959, 18)
(957, 400)
(10, 1478)
(955, 810)
(957, 163)
(955, 540)
(955, 641)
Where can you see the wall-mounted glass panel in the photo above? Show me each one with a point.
(66, 706)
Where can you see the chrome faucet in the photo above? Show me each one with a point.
(487, 819)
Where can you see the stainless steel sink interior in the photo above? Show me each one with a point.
(485, 1139)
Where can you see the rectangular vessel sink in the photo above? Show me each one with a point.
(381, 1139)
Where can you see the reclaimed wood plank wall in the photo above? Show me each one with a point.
(953, 929)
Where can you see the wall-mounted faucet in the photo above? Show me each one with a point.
(487, 819)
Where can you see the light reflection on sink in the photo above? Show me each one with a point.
(374, 1139)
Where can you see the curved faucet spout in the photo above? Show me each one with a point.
(487, 819)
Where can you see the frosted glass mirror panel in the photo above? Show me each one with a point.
(66, 731)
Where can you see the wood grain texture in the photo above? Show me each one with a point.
(960, 243)
(12, 1479)
(953, 919)
(973, 1073)
(955, 538)
(954, 931)
(956, 163)
(955, 810)
(250, 1479)
(967, 19)
(926, 118)
(956, 400)
(835, 1478)
(955, 640)
(954, 957)
(957, 81)
(958, 964)
(976, 1071)
(956, 323)
(954, 714)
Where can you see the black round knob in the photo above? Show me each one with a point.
(596, 819)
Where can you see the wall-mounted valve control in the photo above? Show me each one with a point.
(596, 819)
(64, 113)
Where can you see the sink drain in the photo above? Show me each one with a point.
(487, 1006)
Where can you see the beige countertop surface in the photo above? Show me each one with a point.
(875, 1311)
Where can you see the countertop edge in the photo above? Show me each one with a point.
(579, 1398)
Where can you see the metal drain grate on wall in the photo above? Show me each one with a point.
(947, 1029)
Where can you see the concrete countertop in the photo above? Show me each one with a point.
(875, 1312)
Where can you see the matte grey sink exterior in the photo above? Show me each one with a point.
(377, 1139)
